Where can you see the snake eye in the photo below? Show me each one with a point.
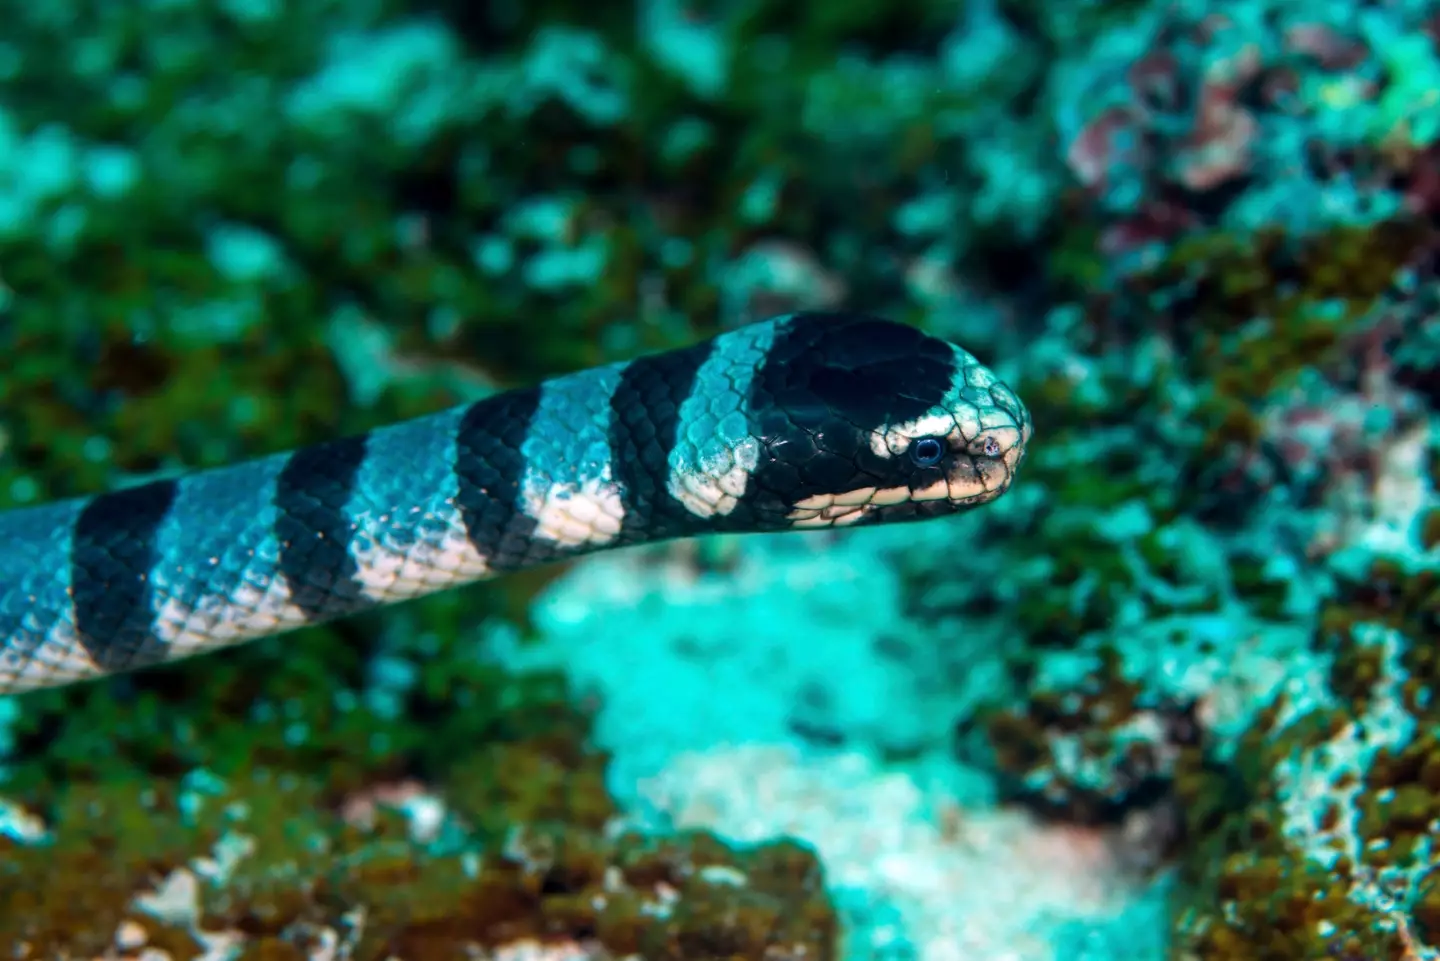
(927, 451)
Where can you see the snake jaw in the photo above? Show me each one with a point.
(833, 510)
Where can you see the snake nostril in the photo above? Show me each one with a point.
(991, 447)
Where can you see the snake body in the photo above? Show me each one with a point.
(804, 421)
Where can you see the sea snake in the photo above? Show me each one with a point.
(805, 421)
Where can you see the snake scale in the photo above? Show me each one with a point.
(805, 421)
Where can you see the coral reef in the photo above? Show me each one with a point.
(271, 870)
(1192, 644)
(1263, 565)
(272, 821)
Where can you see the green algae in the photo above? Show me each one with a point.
(1257, 889)
(524, 849)
(306, 870)
(1244, 318)
(1092, 754)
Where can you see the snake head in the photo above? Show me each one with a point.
(873, 421)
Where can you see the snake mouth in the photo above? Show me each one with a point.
(969, 483)
(849, 515)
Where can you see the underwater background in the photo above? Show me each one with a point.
(1172, 697)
